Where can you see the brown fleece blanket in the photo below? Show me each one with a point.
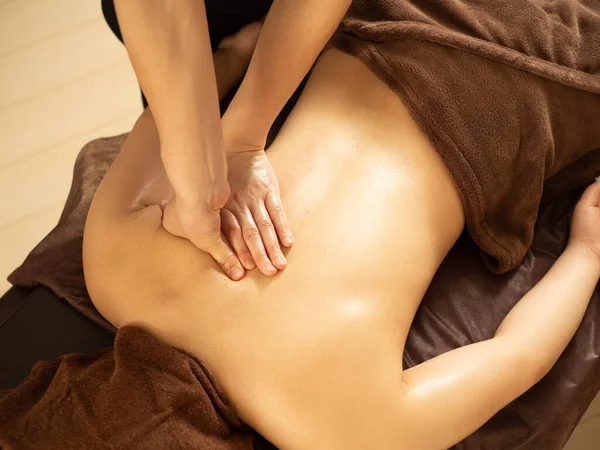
(140, 395)
(507, 92)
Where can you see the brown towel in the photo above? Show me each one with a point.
(508, 93)
(140, 395)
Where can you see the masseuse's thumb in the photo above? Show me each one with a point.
(169, 219)
(213, 245)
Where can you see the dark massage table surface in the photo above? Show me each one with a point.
(36, 325)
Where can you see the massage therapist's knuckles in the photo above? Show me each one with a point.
(241, 250)
(220, 252)
(251, 233)
(276, 210)
(283, 229)
(244, 254)
(265, 225)
(231, 267)
(237, 197)
(227, 261)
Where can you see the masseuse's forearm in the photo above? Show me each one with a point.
(169, 47)
(293, 35)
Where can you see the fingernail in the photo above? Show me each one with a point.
(249, 265)
(281, 260)
(289, 240)
(236, 273)
(269, 267)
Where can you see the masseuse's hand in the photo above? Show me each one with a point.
(585, 227)
(254, 218)
(201, 224)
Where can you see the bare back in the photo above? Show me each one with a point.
(374, 211)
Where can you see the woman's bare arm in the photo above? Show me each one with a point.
(169, 47)
(254, 219)
(457, 392)
(293, 35)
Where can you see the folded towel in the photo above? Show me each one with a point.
(140, 395)
(507, 92)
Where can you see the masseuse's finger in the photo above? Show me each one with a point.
(269, 237)
(277, 214)
(255, 242)
(213, 245)
(226, 259)
(233, 233)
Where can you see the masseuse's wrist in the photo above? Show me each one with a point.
(242, 141)
(195, 165)
(243, 131)
(212, 197)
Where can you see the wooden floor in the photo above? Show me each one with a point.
(65, 80)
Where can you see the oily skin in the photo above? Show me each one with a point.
(366, 195)
(312, 358)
